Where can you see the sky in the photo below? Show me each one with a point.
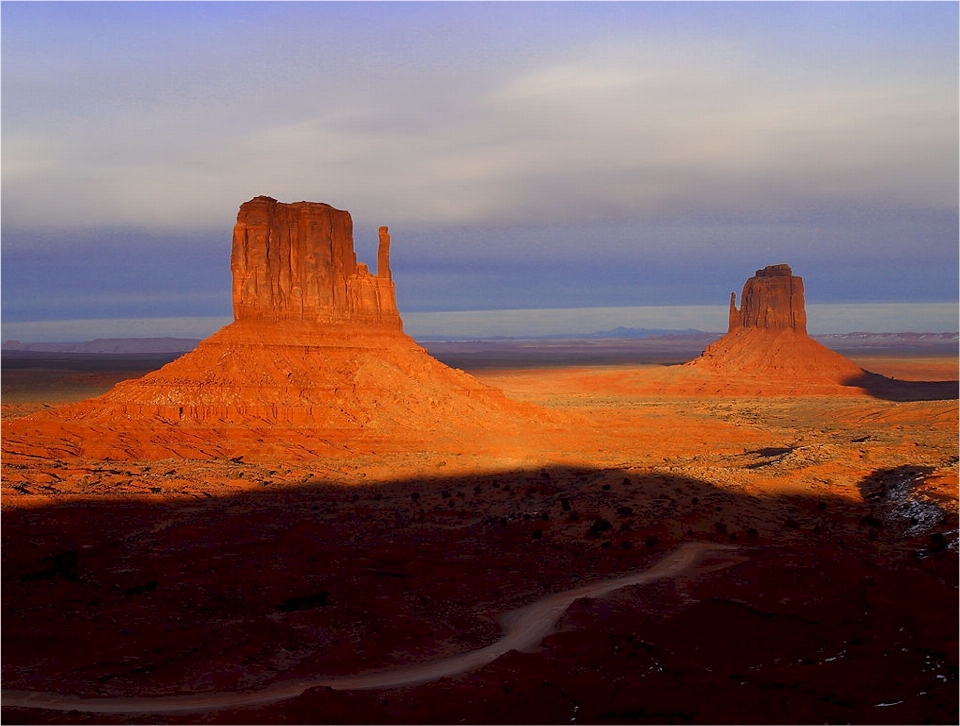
(526, 156)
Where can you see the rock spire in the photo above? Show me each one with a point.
(296, 262)
(767, 336)
(314, 364)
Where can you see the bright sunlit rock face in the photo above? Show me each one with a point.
(297, 262)
(767, 336)
(771, 300)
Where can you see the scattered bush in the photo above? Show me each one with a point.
(599, 525)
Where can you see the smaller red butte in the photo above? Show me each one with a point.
(767, 337)
(771, 300)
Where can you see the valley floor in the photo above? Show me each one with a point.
(151, 578)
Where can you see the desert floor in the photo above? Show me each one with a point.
(840, 603)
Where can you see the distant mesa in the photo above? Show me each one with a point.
(767, 336)
(314, 362)
(771, 300)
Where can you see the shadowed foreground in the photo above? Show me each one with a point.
(840, 611)
(524, 629)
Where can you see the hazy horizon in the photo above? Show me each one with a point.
(528, 156)
(467, 324)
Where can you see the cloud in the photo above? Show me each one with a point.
(615, 128)
(522, 154)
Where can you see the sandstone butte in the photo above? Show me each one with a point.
(315, 362)
(767, 337)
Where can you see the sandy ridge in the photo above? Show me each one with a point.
(524, 628)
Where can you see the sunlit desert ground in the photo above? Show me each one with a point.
(131, 578)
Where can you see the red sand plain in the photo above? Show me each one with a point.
(127, 577)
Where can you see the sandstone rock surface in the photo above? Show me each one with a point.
(767, 336)
(315, 363)
(771, 300)
(296, 262)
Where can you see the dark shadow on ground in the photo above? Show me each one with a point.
(891, 389)
(829, 618)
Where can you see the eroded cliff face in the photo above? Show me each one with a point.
(296, 262)
(315, 363)
(767, 336)
(771, 300)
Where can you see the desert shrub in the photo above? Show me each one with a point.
(537, 534)
(606, 544)
(599, 525)
(652, 541)
(626, 544)
(415, 496)
(605, 487)
(752, 533)
(565, 504)
(624, 511)
(445, 494)
(720, 527)
(573, 516)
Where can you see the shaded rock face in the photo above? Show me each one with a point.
(771, 300)
(767, 338)
(296, 262)
(315, 363)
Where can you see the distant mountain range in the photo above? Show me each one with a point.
(159, 346)
(107, 346)
(619, 333)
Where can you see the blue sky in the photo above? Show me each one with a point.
(525, 156)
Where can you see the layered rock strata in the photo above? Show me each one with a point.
(767, 336)
(296, 262)
(771, 300)
(315, 362)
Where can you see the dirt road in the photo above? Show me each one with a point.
(524, 629)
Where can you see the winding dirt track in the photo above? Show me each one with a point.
(524, 629)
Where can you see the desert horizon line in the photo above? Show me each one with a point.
(824, 319)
